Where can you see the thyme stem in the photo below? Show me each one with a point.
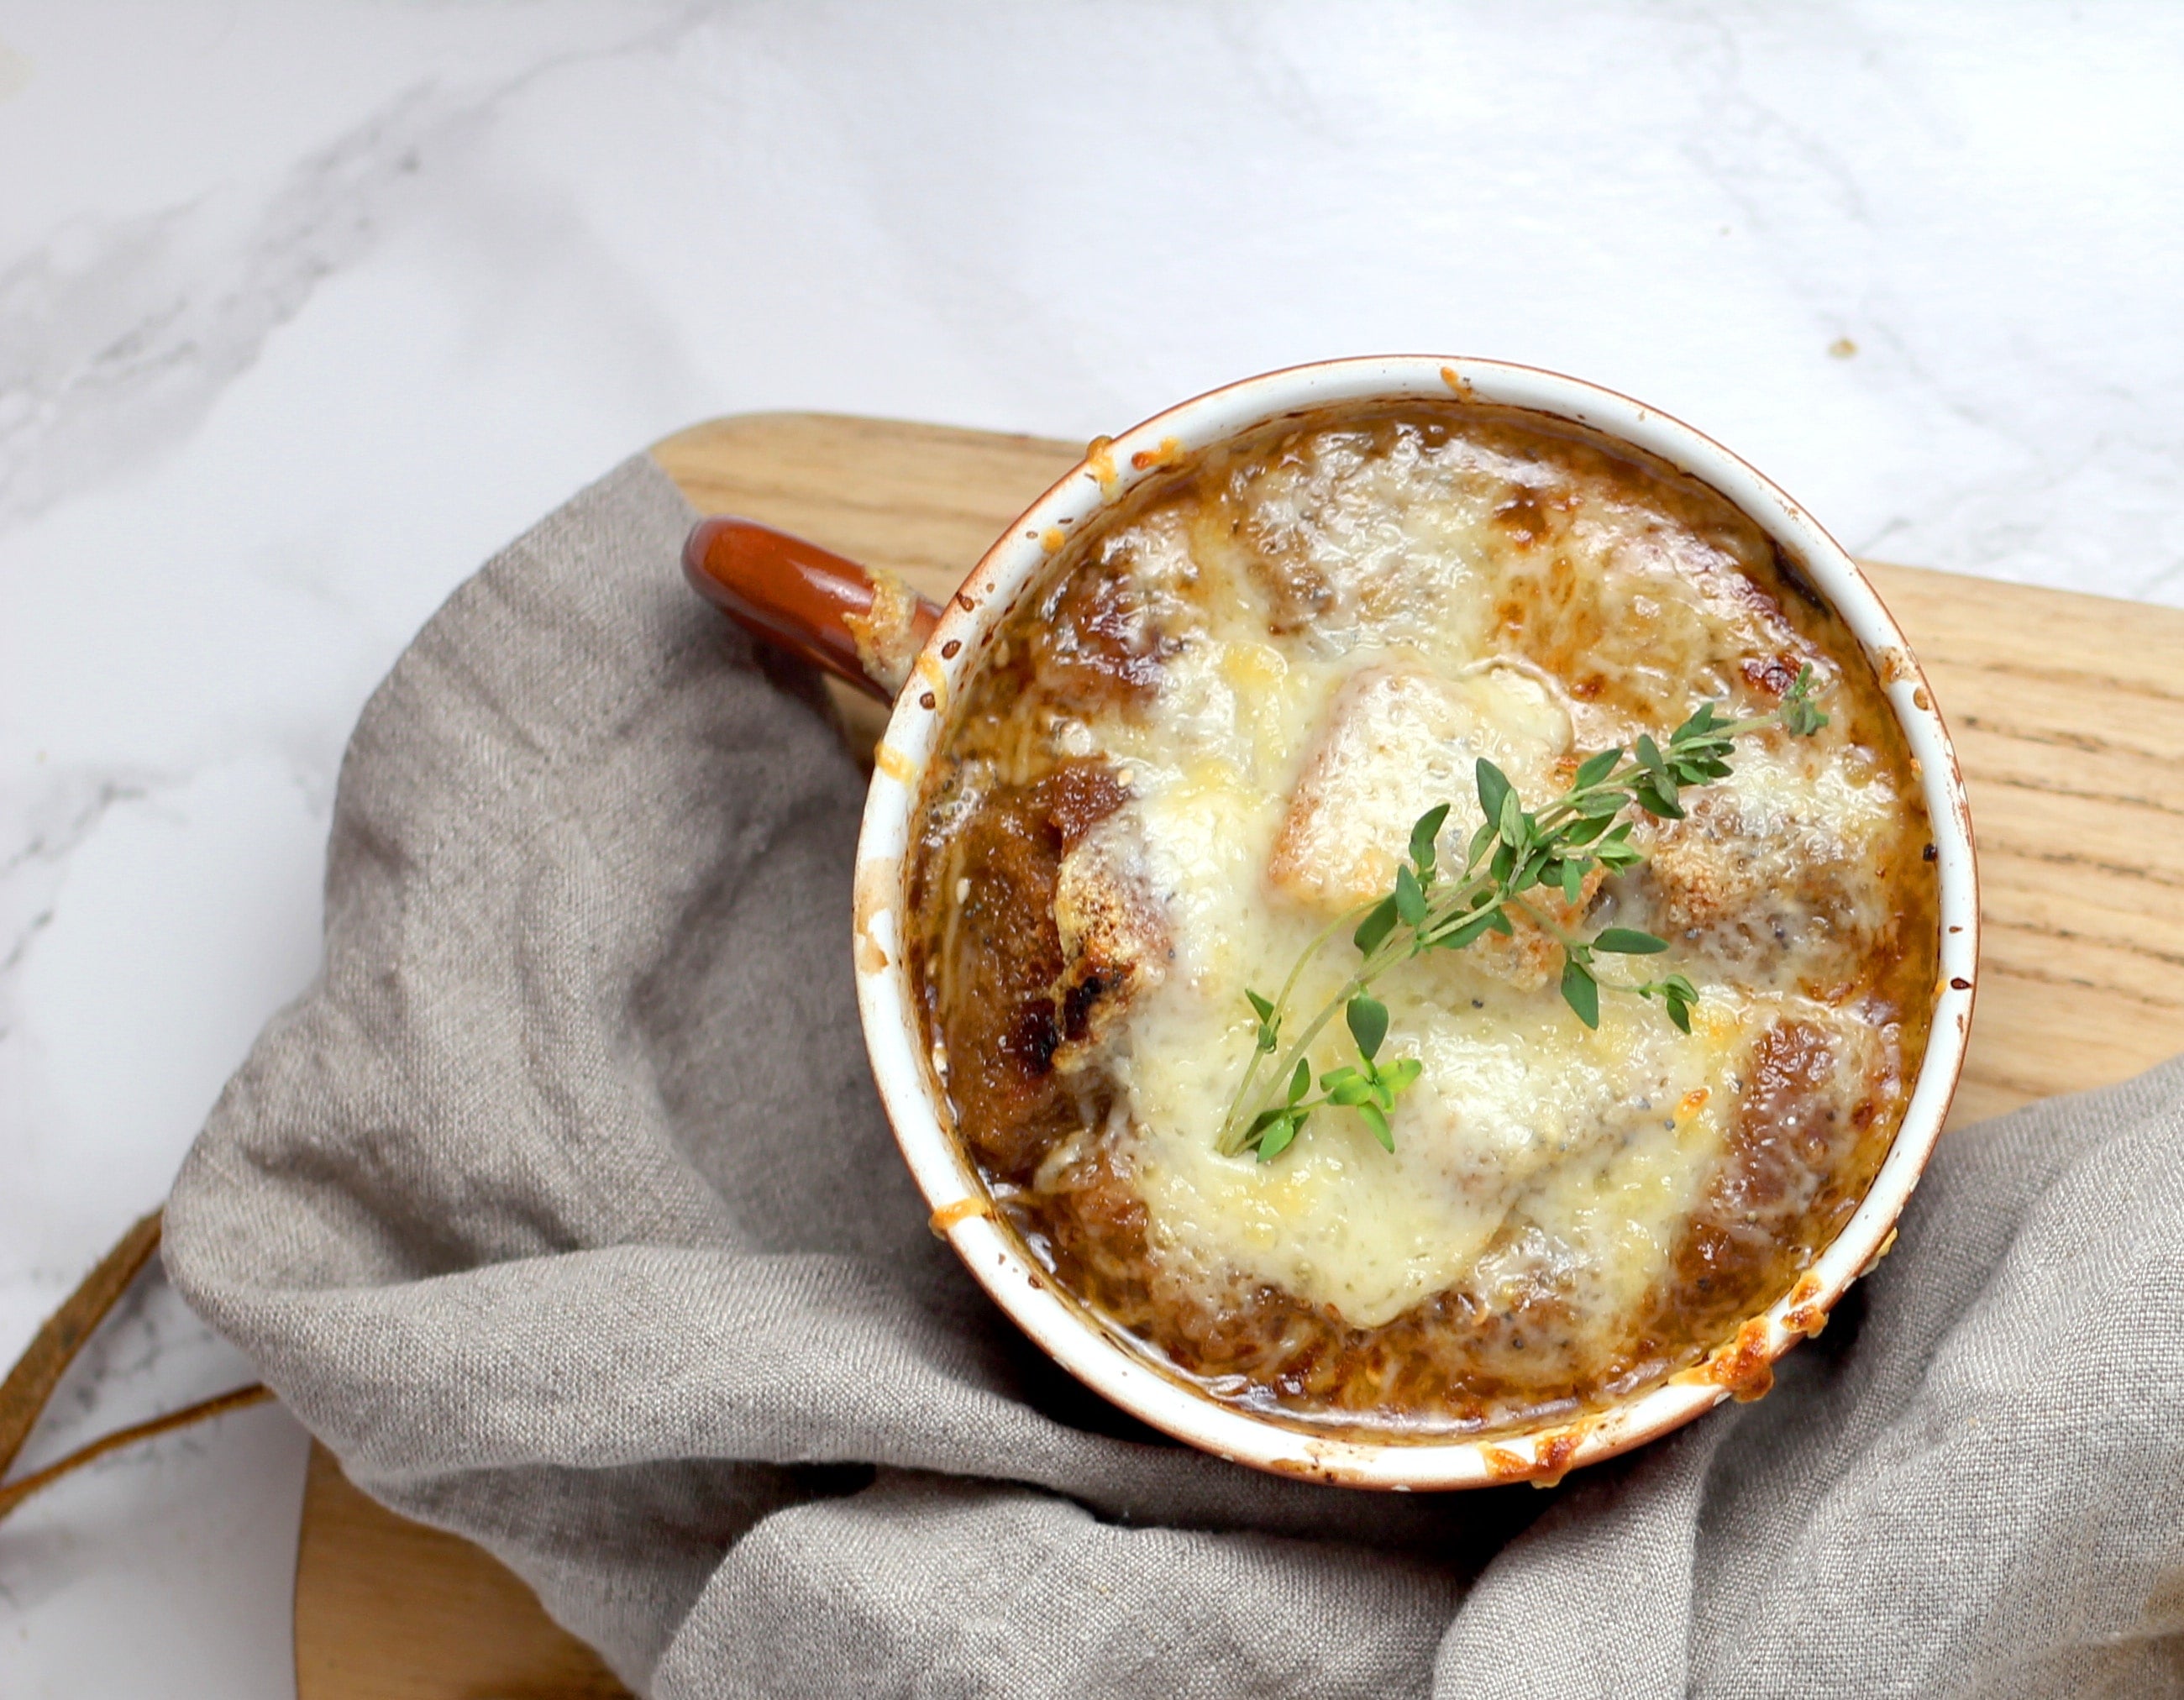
(1513, 851)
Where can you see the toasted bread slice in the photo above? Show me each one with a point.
(1394, 743)
(1115, 943)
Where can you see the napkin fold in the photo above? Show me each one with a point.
(562, 1209)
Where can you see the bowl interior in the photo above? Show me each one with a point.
(1075, 1337)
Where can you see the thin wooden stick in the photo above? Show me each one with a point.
(31, 1383)
(15, 1492)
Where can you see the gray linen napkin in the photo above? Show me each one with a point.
(562, 1209)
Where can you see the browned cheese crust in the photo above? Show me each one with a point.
(1011, 993)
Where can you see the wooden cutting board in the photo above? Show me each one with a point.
(2063, 708)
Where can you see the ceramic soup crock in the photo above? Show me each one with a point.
(870, 630)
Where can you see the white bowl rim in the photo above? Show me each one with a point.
(1079, 1339)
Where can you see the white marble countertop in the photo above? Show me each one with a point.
(303, 309)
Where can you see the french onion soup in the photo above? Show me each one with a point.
(1423, 919)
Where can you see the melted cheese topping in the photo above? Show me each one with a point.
(1201, 744)
(1348, 625)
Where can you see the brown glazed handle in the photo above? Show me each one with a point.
(864, 627)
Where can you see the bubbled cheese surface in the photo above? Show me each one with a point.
(1345, 628)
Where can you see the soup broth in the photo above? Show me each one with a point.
(1202, 740)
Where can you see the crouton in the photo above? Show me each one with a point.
(1115, 942)
(1396, 742)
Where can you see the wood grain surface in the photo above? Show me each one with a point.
(2061, 706)
(389, 1609)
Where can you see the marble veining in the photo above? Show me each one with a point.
(305, 311)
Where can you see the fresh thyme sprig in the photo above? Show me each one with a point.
(1513, 851)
